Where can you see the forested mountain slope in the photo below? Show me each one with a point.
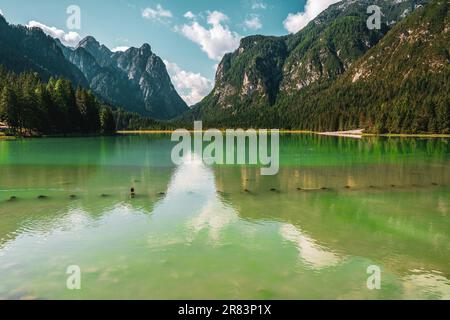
(337, 74)
(400, 85)
(136, 80)
(30, 49)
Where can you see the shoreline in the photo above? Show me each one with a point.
(171, 131)
(338, 134)
(68, 135)
(408, 135)
(328, 134)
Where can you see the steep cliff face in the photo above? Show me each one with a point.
(252, 73)
(136, 79)
(24, 49)
(100, 52)
(264, 69)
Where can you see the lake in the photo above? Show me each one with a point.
(336, 207)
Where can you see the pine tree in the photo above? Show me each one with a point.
(107, 121)
(9, 109)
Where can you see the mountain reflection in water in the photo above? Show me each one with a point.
(224, 232)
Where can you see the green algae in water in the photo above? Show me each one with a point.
(336, 207)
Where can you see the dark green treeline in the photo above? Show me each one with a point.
(31, 107)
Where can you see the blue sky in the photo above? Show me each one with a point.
(191, 35)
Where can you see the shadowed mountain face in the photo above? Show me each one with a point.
(24, 49)
(136, 79)
(268, 81)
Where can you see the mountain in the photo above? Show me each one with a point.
(136, 79)
(268, 81)
(400, 85)
(24, 49)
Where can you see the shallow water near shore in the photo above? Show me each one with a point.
(336, 207)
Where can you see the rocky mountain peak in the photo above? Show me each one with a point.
(136, 79)
(89, 42)
(145, 49)
(100, 52)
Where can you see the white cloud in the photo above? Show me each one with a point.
(259, 6)
(296, 22)
(215, 41)
(253, 23)
(217, 17)
(159, 13)
(120, 49)
(192, 87)
(311, 252)
(67, 38)
(1, 12)
(189, 15)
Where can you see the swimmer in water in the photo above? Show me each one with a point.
(132, 193)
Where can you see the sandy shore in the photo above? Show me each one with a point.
(356, 134)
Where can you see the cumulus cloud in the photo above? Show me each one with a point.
(216, 40)
(192, 87)
(120, 49)
(67, 38)
(158, 13)
(296, 22)
(253, 23)
(259, 6)
(189, 15)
